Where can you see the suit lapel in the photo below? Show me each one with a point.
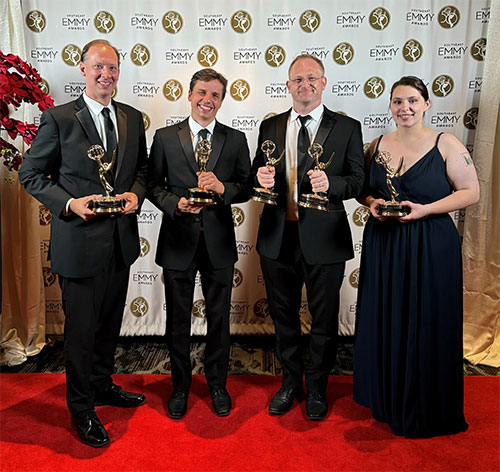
(281, 141)
(325, 127)
(121, 118)
(217, 144)
(82, 114)
(186, 141)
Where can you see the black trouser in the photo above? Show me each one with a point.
(93, 307)
(179, 288)
(284, 278)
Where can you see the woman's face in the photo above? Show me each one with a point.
(408, 106)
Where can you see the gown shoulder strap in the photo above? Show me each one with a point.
(378, 143)
(437, 138)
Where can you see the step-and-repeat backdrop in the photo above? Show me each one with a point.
(364, 45)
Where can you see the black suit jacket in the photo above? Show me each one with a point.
(325, 236)
(172, 170)
(56, 168)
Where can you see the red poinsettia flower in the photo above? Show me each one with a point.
(19, 82)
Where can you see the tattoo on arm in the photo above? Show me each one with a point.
(467, 158)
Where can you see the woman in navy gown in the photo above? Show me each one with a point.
(408, 349)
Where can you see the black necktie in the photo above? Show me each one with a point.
(203, 133)
(303, 143)
(109, 129)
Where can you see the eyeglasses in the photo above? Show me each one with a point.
(309, 80)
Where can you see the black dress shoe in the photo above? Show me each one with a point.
(115, 396)
(283, 401)
(221, 402)
(90, 430)
(316, 406)
(177, 404)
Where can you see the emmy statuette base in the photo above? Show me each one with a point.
(200, 196)
(107, 204)
(314, 201)
(264, 195)
(393, 209)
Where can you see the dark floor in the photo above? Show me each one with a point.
(249, 355)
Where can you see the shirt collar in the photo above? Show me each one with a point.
(196, 127)
(94, 106)
(314, 114)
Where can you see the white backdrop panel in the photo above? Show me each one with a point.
(365, 47)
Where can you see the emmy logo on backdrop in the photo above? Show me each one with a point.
(266, 195)
(199, 195)
(108, 203)
(316, 201)
(392, 208)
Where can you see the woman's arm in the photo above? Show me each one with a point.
(461, 174)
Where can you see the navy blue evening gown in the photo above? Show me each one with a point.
(408, 359)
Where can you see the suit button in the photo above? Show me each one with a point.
(197, 219)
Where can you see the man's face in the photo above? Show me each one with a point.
(306, 84)
(206, 99)
(101, 72)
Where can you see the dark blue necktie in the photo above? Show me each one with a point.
(303, 143)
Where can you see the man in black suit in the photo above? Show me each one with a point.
(198, 238)
(91, 253)
(300, 245)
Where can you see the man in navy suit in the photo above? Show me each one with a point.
(300, 245)
(198, 238)
(92, 254)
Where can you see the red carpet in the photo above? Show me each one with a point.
(36, 433)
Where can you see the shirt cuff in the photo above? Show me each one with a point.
(66, 208)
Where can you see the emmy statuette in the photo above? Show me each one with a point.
(316, 201)
(261, 194)
(392, 208)
(108, 203)
(197, 195)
